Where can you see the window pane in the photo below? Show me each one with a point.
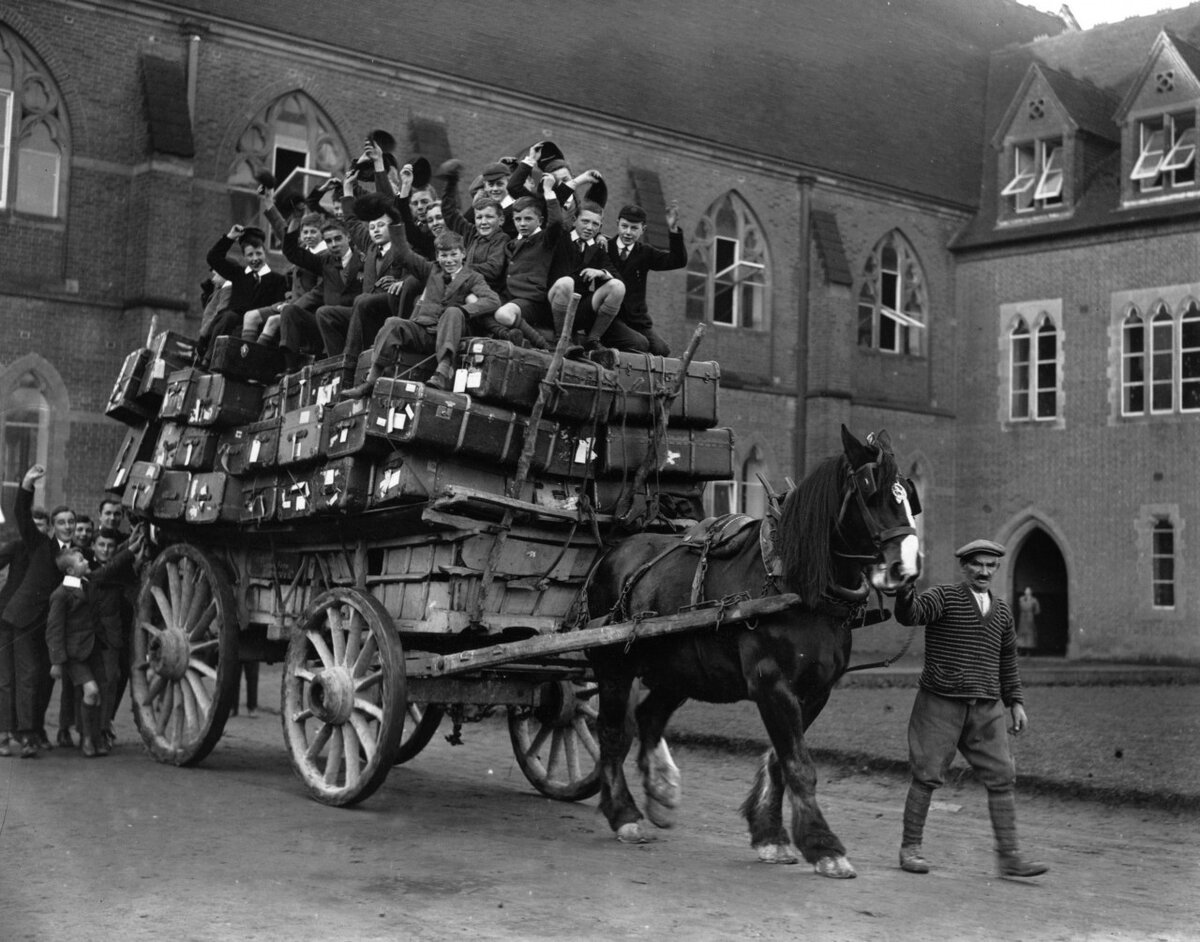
(1135, 400)
(38, 163)
(726, 254)
(887, 333)
(866, 322)
(1020, 405)
(723, 302)
(1047, 404)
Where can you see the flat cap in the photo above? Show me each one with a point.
(978, 548)
(495, 171)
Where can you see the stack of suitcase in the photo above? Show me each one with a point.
(244, 443)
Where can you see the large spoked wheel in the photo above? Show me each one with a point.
(184, 676)
(344, 699)
(555, 742)
(421, 723)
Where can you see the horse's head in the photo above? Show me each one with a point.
(876, 524)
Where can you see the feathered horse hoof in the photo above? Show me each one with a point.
(776, 854)
(633, 833)
(836, 868)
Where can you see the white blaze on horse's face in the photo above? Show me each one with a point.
(901, 562)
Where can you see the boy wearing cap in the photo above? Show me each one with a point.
(969, 683)
(632, 259)
(252, 283)
(453, 295)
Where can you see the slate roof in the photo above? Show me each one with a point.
(1108, 59)
(890, 93)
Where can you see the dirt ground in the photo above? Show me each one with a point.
(458, 845)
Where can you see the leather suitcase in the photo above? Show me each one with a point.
(170, 495)
(167, 443)
(258, 498)
(329, 377)
(138, 445)
(294, 498)
(642, 377)
(564, 451)
(406, 477)
(299, 436)
(249, 449)
(169, 352)
(417, 367)
(179, 394)
(246, 360)
(343, 485)
(214, 497)
(126, 402)
(451, 423)
(224, 402)
(296, 390)
(139, 487)
(346, 430)
(272, 404)
(196, 450)
(500, 372)
(698, 454)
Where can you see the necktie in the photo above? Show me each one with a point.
(624, 254)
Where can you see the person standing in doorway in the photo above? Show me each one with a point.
(1028, 608)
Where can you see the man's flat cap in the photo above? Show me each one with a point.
(979, 548)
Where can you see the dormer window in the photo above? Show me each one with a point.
(1167, 153)
(1037, 176)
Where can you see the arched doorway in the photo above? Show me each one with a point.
(1039, 564)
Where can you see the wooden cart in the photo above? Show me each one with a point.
(385, 619)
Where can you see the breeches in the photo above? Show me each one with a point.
(398, 334)
(89, 669)
(940, 726)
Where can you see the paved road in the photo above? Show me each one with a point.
(457, 845)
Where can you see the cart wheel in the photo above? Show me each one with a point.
(555, 742)
(184, 676)
(421, 723)
(344, 697)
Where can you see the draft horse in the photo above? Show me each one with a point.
(848, 527)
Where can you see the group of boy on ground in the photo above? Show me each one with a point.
(401, 268)
(66, 611)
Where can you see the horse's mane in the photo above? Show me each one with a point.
(807, 521)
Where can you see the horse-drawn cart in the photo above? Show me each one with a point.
(413, 573)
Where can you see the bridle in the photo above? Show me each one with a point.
(863, 486)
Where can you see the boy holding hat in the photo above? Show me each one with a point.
(252, 283)
(970, 687)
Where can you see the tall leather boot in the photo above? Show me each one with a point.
(916, 807)
(1002, 808)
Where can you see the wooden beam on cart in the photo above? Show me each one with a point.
(598, 635)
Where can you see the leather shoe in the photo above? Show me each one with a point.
(65, 740)
(29, 749)
(361, 391)
(1011, 865)
(6, 745)
(43, 742)
(911, 859)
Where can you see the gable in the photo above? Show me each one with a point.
(1167, 81)
(1038, 113)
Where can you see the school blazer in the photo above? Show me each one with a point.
(643, 259)
(338, 286)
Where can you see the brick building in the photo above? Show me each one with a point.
(851, 253)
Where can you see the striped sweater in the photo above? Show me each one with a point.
(966, 655)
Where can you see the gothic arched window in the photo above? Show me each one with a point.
(292, 133)
(729, 273)
(34, 137)
(892, 304)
